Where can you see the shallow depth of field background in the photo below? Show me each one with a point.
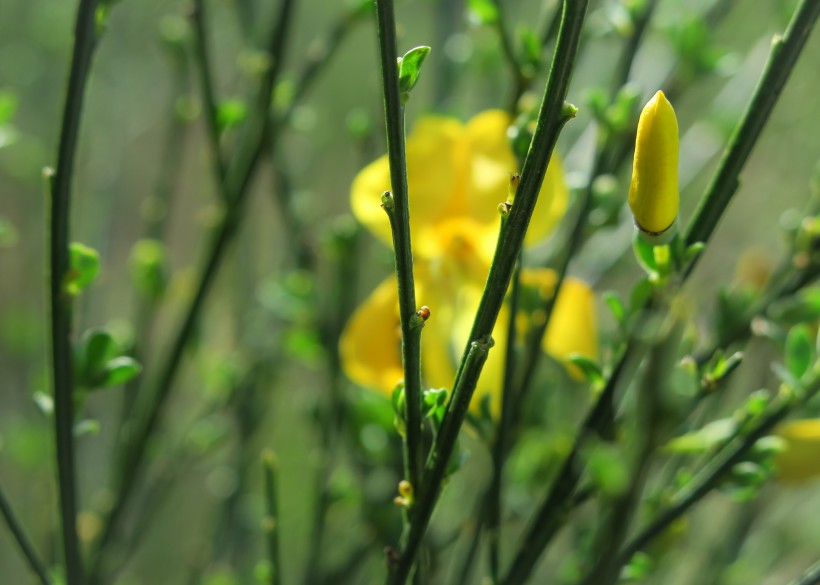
(128, 108)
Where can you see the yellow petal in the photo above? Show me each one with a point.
(491, 163)
(370, 345)
(653, 192)
(436, 174)
(800, 460)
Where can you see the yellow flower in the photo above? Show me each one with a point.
(800, 459)
(653, 192)
(457, 175)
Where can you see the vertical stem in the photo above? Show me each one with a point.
(34, 561)
(271, 522)
(400, 222)
(60, 301)
(206, 85)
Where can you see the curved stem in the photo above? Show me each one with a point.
(60, 300)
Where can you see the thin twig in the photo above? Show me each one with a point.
(34, 562)
(783, 56)
(61, 301)
(206, 88)
(398, 209)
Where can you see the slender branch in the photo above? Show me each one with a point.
(784, 54)
(271, 522)
(206, 87)
(34, 562)
(716, 469)
(810, 577)
(551, 120)
(398, 209)
(60, 301)
(238, 178)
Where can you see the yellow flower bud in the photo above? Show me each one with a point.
(653, 192)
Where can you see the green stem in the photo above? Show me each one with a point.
(60, 301)
(520, 80)
(206, 87)
(715, 470)
(437, 464)
(400, 224)
(238, 178)
(784, 54)
(810, 577)
(16, 529)
(551, 120)
(271, 523)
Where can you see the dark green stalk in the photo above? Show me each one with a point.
(551, 119)
(206, 88)
(271, 522)
(238, 178)
(716, 469)
(35, 564)
(59, 300)
(398, 209)
(810, 577)
(784, 54)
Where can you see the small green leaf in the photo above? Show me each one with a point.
(589, 369)
(8, 106)
(529, 47)
(84, 266)
(230, 113)
(483, 11)
(705, 439)
(94, 350)
(644, 254)
(410, 69)
(118, 371)
(87, 427)
(799, 351)
(616, 306)
(800, 308)
(149, 269)
(607, 467)
(640, 294)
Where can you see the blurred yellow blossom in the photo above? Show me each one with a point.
(457, 175)
(800, 458)
(653, 191)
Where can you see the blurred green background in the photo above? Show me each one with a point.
(137, 90)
